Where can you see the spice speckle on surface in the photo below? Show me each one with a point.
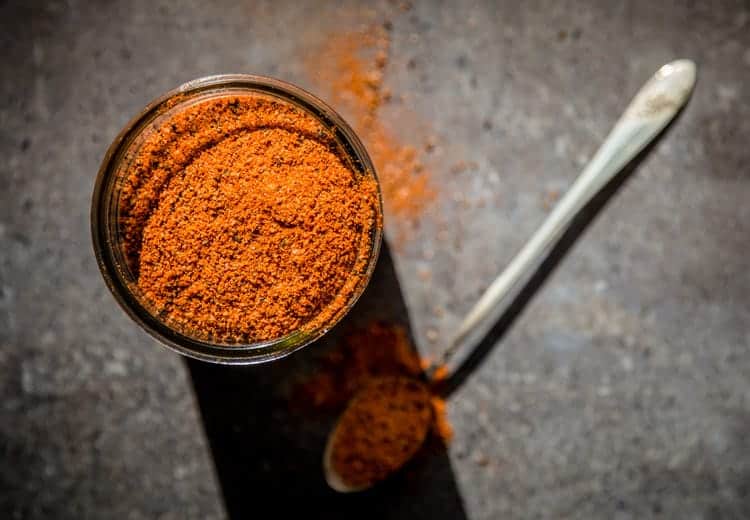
(376, 350)
(243, 221)
(350, 66)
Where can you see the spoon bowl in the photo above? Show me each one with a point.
(382, 428)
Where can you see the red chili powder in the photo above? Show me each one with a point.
(243, 220)
(350, 66)
(381, 429)
(376, 350)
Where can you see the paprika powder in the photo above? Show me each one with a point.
(350, 68)
(243, 220)
(372, 377)
(381, 429)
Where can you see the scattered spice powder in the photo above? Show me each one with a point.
(243, 221)
(377, 350)
(441, 426)
(440, 374)
(350, 67)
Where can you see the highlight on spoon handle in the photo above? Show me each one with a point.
(652, 108)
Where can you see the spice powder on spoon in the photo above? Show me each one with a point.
(242, 219)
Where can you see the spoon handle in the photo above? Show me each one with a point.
(652, 108)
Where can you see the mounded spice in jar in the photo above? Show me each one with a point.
(242, 219)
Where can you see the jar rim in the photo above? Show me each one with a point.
(106, 249)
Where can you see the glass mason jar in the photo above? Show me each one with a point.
(106, 232)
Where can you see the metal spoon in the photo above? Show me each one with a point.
(650, 111)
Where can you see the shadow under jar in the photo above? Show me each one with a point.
(120, 223)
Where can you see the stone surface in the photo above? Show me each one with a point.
(624, 389)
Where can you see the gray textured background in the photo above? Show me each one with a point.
(623, 391)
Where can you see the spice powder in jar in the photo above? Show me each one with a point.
(242, 220)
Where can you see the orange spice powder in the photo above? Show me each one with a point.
(242, 220)
(350, 68)
(377, 350)
(381, 429)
